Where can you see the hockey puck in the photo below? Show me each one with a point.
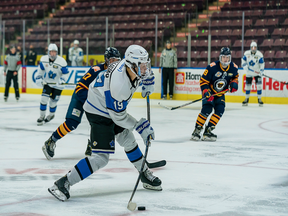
(141, 208)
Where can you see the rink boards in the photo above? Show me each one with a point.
(186, 84)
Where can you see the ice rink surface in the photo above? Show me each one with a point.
(243, 173)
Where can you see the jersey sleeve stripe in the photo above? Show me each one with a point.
(84, 86)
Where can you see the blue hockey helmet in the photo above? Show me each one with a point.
(111, 52)
(225, 51)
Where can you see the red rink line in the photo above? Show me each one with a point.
(261, 126)
(24, 201)
(182, 162)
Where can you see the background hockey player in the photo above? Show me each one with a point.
(76, 54)
(105, 108)
(52, 73)
(218, 77)
(253, 65)
(75, 110)
(12, 65)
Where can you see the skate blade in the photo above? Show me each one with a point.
(260, 105)
(244, 104)
(195, 139)
(46, 153)
(53, 190)
(150, 187)
(40, 124)
(209, 139)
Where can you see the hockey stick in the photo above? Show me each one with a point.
(285, 83)
(61, 84)
(156, 164)
(132, 205)
(191, 102)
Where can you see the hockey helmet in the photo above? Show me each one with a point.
(137, 59)
(225, 51)
(76, 42)
(252, 45)
(52, 47)
(111, 52)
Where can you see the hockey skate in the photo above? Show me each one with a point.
(164, 97)
(88, 151)
(171, 97)
(40, 121)
(49, 118)
(48, 148)
(5, 99)
(208, 135)
(60, 189)
(150, 181)
(260, 102)
(196, 133)
(245, 102)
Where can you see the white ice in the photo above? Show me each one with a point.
(243, 173)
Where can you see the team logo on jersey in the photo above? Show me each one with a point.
(55, 66)
(94, 143)
(230, 74)
(218, 74)
(251, 63)
(112, 144)
(220, 84)
(256, 57)
(224, 74)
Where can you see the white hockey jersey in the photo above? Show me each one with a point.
(252, 63)
(76, 56)
(110, 93)
(52, 72)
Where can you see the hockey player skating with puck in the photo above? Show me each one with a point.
(105, 108)
(75, 110)
(218, 76)
(253, 64)
(52, 73)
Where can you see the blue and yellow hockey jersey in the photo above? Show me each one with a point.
(217, 79)
(82, 87)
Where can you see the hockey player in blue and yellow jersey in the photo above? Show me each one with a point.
(75, 110)
(218, 78)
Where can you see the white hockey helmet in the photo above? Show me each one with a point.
(253, 44)
(137, 59)
(76, 42)
(52, 47)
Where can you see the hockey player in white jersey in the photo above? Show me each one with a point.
(52, 72)
(105, 108)
(76, 54)
(253, 64)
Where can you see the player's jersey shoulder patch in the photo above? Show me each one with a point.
(96, 68)
(212, 64)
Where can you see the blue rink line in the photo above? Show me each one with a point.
(24, 107)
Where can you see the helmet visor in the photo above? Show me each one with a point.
(52, 54)
(144, 69)
(225, 60)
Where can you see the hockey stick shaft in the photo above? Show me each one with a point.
(132, 206)
(191, 102)
(61, 84)
(286, 83)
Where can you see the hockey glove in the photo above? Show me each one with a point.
(148, 86)
(207, 94)
(39, 81)
(233, 86)
(61, 81)
(144, 128)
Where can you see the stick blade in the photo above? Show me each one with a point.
(166, 107)
(131, 206)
